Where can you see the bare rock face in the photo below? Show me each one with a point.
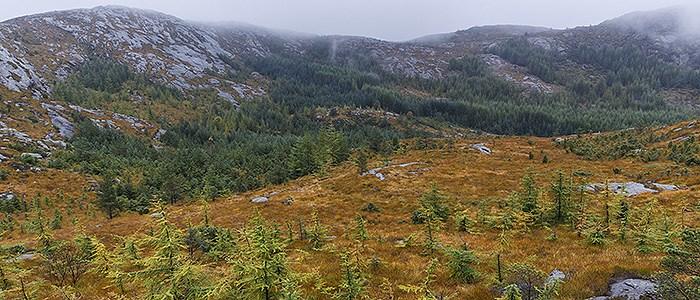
(181, 54)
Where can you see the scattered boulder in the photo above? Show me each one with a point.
(260, 199)
(7, 196)
(135, 122)
(3, 158)
(630, 289)
(159, 134)
(555, 275)
(482, 148)
(26, 256)
(288, 201)
(376, 172)
(157, 215)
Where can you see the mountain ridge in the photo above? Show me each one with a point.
(245, 40)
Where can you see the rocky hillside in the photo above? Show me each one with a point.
(38, 50)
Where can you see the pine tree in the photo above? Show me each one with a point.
(108, 199)
(352, 281)
(529, 195)
(360, 230)
(528, 278)
(460, 264)
(318, 233)
(167, 273)
(680, 269)
(224, 246)
(463, 222)
(260, 270)
(561, 194)
(434, 203)
(623, 218)
(361, 161)
(431, 227)
(302, 160)
(511, 292)
(424, 292)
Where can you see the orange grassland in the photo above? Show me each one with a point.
(466, 176)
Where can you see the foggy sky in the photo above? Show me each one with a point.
(385, 19)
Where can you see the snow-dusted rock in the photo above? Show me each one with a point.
(17, 74)
(630, 189)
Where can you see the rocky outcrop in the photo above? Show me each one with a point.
(65, 127)
(630, 189)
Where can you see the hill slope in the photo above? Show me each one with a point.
(394, 253)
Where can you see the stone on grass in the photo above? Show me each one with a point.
(482, 148)
(260, 199)
(555, 275)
